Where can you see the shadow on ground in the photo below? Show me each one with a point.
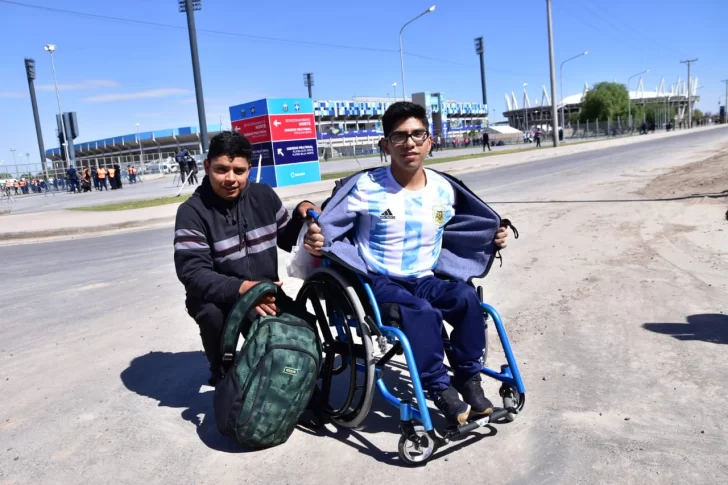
(383, 418)
(708, 327)
(174, 379)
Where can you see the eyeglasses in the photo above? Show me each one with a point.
(400, 138)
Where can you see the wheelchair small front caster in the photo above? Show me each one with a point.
(512, 399)
(416, 446)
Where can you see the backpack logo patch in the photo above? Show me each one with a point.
(290, 371)
(387, 214)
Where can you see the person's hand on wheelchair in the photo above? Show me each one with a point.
(314, 240)
(500, 237)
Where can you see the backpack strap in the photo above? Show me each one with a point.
(237, 316)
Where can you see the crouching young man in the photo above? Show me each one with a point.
(226, 239)
(407, 228)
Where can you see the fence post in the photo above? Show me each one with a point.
(597, 126)
(587, 128)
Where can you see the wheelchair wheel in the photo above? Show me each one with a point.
(416, 449)
(351, 346)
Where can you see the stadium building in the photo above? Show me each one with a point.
(343, 128)
(539, 113)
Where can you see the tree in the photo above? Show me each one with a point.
(5, 175)
(605, 101)
(697, 115)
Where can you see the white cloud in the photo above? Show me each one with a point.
(82, 85)
(147, 94)
(13, 94)
(188, 101)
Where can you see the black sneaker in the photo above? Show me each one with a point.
(473, 394)
(455, 411)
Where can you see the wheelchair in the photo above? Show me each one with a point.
(352, 331)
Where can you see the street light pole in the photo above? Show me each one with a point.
(15, 162)
(726, 101)
(141, 153)
(629, 98)
(401, 56)
(561, 78)
(554, 116)
(189, 7)
(690, 109)
(51, 48)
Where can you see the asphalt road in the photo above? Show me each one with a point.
(101, 371)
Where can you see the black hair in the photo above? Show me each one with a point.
(230, 143)
(401, 111)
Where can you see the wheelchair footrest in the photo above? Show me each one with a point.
(463, 429)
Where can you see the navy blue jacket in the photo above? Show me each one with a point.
(468, 240)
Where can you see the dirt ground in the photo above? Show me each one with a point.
(705, 178)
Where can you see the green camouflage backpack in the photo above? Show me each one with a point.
(269, 383)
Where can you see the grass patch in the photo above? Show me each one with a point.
(134, 204)
(435, 161)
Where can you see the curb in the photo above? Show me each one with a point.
(139, 224)
(75, 231)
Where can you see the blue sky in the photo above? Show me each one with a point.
(115, 74)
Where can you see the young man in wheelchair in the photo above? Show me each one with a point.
(420, 237)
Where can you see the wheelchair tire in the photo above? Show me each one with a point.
(339, 293)
(417, 453)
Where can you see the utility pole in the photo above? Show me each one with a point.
(554, 118)
(30, 71)
(189, 7)
(690, 107)
(725, 106)
(479, 51)
(308, 82)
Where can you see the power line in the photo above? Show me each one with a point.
(147, 23)
(629, 29)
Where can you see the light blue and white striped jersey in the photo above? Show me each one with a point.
(398, 231)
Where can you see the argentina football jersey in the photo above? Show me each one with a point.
(398, 231)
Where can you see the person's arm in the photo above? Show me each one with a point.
(193, 261)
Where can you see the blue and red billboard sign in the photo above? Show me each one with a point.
(283, 134)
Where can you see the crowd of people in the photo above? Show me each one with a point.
(98, 176)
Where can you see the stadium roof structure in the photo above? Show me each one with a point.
(171, 137)
(679, 91)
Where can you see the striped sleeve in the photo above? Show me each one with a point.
(185, 239)
(194, 263)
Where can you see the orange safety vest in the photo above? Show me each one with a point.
(22, 183)
(112, 172)
(17, 185)
(102, 173)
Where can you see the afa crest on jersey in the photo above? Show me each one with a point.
(438, 215)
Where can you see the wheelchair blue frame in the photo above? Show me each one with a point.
(509, 373)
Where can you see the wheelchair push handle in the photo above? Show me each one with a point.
(312, 214)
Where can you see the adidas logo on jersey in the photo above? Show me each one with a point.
(387, 214)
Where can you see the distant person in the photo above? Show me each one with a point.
(192, 169)
(112, 177)
(182, 161)
(226, 240)
(117, 175)
(538, 138)
(73, 179)
(486, 141)
(95, 177)
(102, 173)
